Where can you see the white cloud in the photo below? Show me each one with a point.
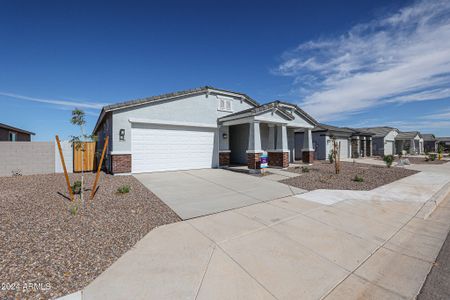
(400, 58)
(60, 103)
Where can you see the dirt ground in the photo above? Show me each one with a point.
(47, 251)
(322, 175)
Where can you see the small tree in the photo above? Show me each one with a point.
(336, 154)
(78, 142)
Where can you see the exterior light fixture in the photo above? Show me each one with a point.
(225, 136)
(122, 135)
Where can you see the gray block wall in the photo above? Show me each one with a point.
(28, 157)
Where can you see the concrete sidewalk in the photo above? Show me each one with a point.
(323, 244)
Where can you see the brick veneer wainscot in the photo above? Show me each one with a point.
(224, 159)
(121, 163)
(254, 160)
(279, 159)
(308, 157)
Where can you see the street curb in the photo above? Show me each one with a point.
(434, 202)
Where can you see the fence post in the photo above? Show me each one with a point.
(64, 167)
(99, 168)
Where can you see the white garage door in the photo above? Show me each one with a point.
(344, 147)
(389, 148)
(167, 148)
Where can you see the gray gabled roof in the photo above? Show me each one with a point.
(444, 139)
(147, 100)
(283, 108)
(378, 131)
(407, 135)
(428, 137)
(15, 129)
(341, 130)
(144, 101)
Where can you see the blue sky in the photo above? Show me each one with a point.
(350, 63)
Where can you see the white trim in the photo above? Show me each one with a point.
(308, 150)
(174, 123)
(278, 150)
(119, 152)
(224, 151)
(254, 151)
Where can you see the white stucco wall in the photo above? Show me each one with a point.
(200, 109)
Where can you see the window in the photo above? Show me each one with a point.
(225, 104)
(12, 136)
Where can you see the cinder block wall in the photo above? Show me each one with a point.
(67, 149)
(28, 157)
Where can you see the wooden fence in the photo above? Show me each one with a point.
(88, 160)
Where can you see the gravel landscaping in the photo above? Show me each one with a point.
(47, 252)
(420, 160)
(322, 175)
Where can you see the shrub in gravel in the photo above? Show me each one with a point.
(123, 189)
(73, 210)
(388, 159)
(76, 187)
(358, 178)
(305, 170)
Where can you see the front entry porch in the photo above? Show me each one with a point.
(267, 129)
(247, 142)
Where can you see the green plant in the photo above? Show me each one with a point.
(123, 189)
(331, 157)
(305, 170)
(388, 159)
(358, 179)
(76, 187)
(73, 210)
(78, 142)
(432, 157)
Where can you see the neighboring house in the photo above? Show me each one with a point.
(383, 139)
(13, 134)
(430, 143)
(410, 141)
(444, 141)
(353, 143)
(199, 128)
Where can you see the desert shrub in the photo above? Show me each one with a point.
(358, 178)
(73, 210)
(331, 157)
(388, 159)
(432, 156)
(123, 189)
(305, 170)
(76, 187)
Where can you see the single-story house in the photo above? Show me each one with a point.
(353, 143)
(410, 141)
(383, 139)
(430, 143)
(444, 141)
(200, 128)
(13, 134)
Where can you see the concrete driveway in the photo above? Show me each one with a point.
(318, 245)
(197, 193)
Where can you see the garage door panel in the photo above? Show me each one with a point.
(164, 148)
(344, 148)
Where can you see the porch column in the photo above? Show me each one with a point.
(308, 150)
(279, 157)
(271, 144)
(412, 147)
(364, 146)
(369, 144)
(254, 146)
(224, 146)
